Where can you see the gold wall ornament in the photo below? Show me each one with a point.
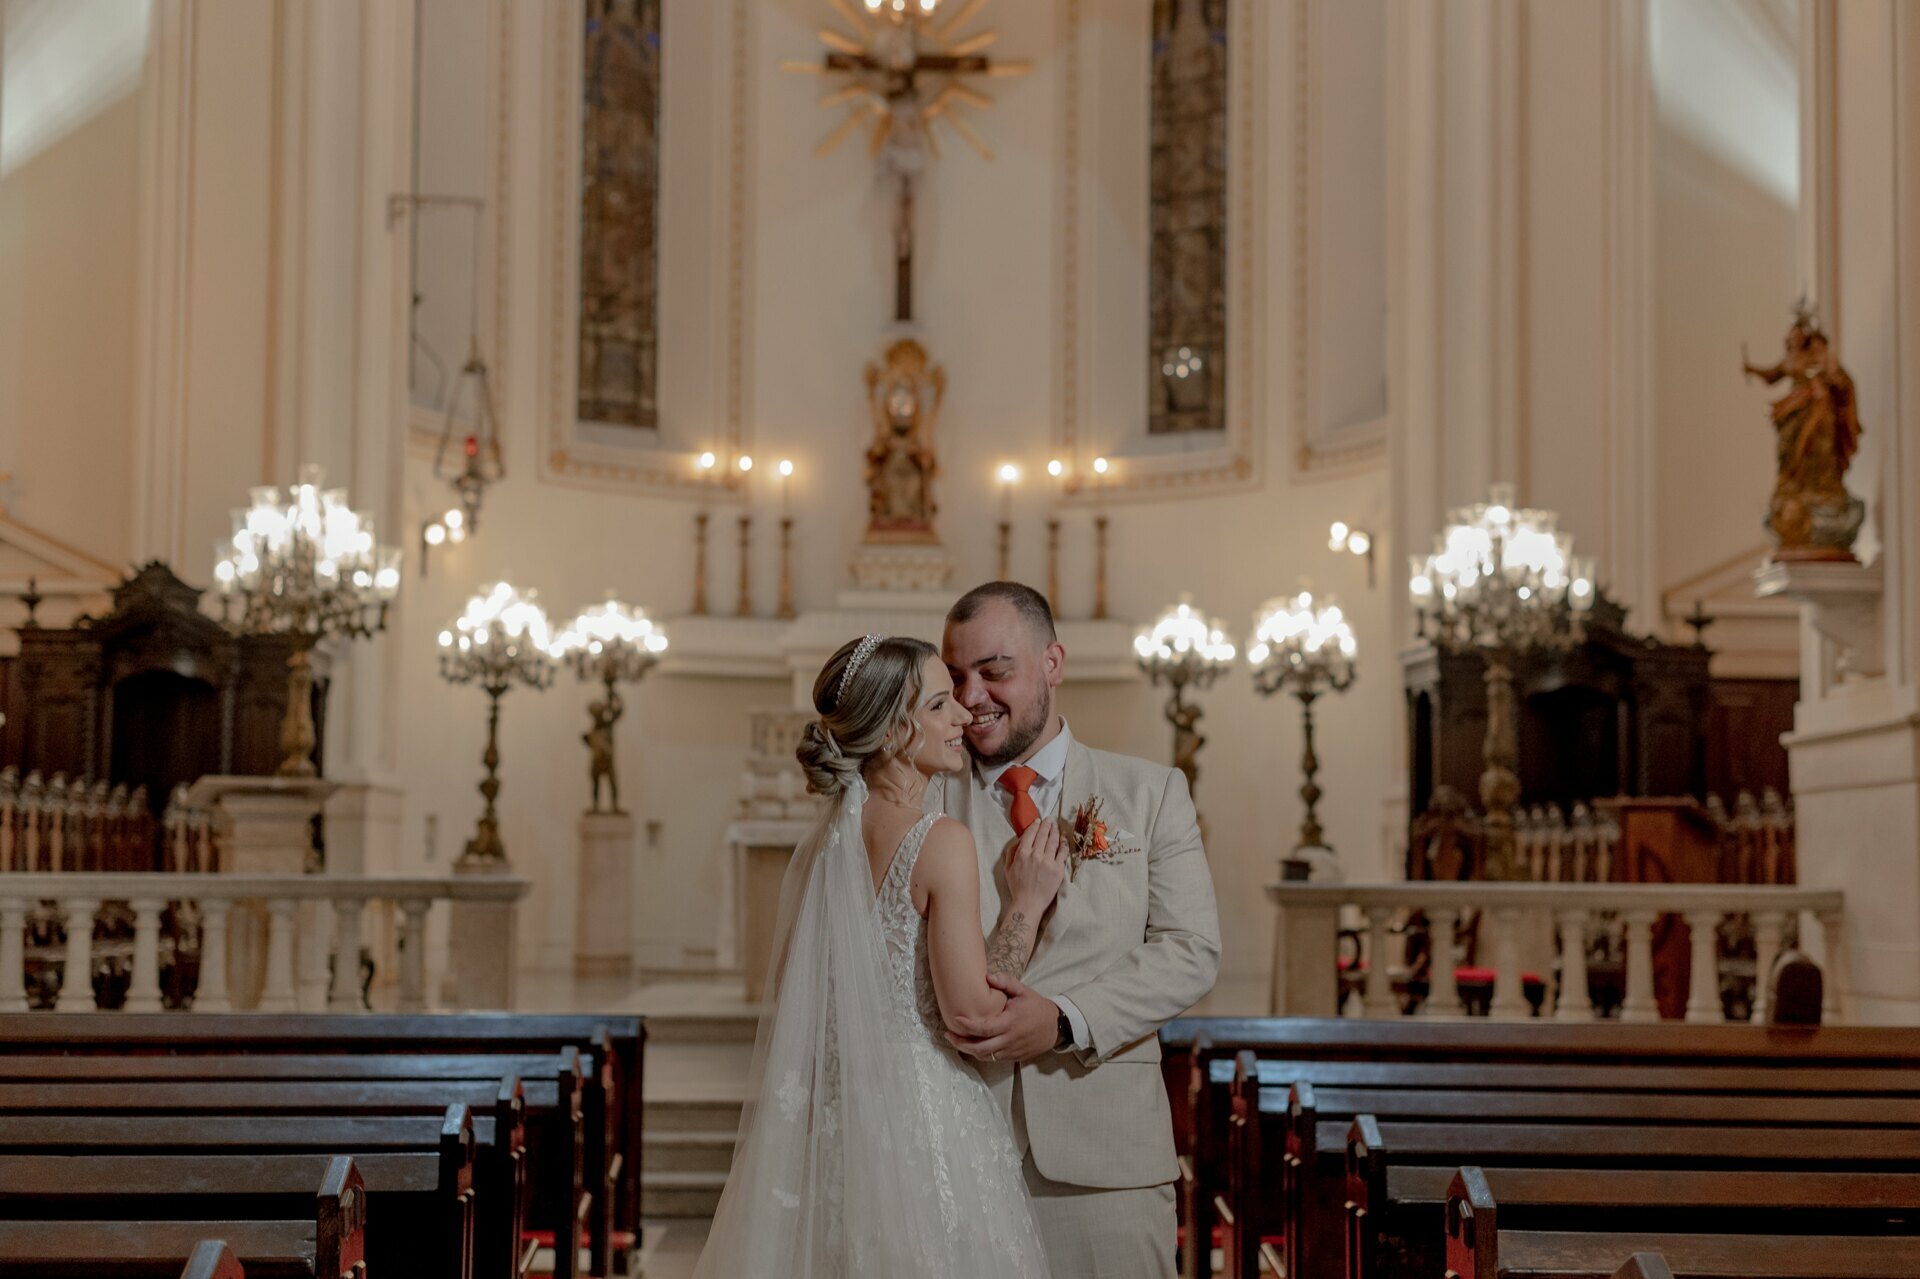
(901, 550)
(903, 396)
(906, 68)
(1816, 427)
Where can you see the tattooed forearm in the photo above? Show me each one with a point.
(1010, 946)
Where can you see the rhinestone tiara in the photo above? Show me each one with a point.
(854, 663)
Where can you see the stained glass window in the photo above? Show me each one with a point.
(1187, 219)
(620, 214)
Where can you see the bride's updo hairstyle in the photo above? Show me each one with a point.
(861, 707)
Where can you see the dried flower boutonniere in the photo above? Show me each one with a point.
(1090, 838)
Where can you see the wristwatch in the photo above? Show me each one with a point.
(1063, 1033)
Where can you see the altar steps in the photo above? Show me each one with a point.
(699, 1051)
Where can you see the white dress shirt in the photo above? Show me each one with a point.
(1050, 762)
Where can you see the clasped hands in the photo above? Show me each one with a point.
(1028, 1026)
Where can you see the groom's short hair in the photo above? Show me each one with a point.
(1030, 604)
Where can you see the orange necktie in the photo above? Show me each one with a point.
(1024, 812)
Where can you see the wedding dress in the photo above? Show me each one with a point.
(868, 1145)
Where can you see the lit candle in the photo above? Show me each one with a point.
(786, 473)
(1100, 465)
(745, 463)
(1009, 476)
(705, 467)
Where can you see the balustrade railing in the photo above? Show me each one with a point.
(1382, 950)
(302, 949)
(89, 825)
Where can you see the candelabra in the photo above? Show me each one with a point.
(1503, 582)
(305, 565)
(1183, 649)
(500, 640)
(614, 643)
(1307, 649)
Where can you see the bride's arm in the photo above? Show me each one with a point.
(959, 957)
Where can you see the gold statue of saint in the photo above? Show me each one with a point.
(904, 396)
(1816, 428)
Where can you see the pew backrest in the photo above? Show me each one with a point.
(212, 1259)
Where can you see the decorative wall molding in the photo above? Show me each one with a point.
(1237, 461)
(1628, 419)
(1317, 447)
(163, 318)
(567, 454)
(424, 425)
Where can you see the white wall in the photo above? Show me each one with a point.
(1520, 287)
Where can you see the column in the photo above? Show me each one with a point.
(143, 992)
(211, 997)
(413, 954)
(1443, 995)
(277, 995)
(1703, 985)
(1639, 1004)
(345, 993)
(1576, 1003)
(1509, 999)
(76, 985)
(1378, 998)
(13, 955)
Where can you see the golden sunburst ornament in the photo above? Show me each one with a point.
(906, 67)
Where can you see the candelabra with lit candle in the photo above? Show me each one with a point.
(1009, 476)
(499, 641)
(704, 468)
(1184, 649)
(744, 606)
(1058, 471)
(785, 610)
(1100, 468)
(1502, 581)
(307, 566)
(1306, 648)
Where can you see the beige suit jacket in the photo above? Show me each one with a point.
(1132, 942)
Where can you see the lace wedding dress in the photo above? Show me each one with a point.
(869, 1146)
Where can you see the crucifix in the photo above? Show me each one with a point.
(901, 73)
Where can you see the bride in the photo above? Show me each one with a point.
(869, 1146)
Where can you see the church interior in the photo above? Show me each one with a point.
(1476, 442)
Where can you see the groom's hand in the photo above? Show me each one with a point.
(1025, 1029)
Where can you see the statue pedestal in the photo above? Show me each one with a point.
(483, 944)
(901, 567)
(264, 826)
(603, 920)
(761, 851)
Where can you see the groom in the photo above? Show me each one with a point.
(1134, 939)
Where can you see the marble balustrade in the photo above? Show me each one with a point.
(297, 959)
(1536, 928)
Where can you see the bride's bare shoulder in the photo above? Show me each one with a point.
(947, 852)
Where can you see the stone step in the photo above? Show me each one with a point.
(702, 1114)
(692, 1151)
(702, 1028)
(681, 1194)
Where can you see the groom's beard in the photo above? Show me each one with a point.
(1021, 735)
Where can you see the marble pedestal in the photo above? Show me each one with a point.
(264, 826)
(761, 851)
(603, 920)
(483, 945)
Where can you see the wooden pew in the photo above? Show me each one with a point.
(1384, 1236)
(1498, 1092)
(426, 1220)
(1202, 1049)
(1311, 1173)
(611, 1103)
(212, 1259)
(327, 1244)
(1480, 1244)
(541, 1177)
(501, 1168)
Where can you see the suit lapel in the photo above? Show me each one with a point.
(1076, 783)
